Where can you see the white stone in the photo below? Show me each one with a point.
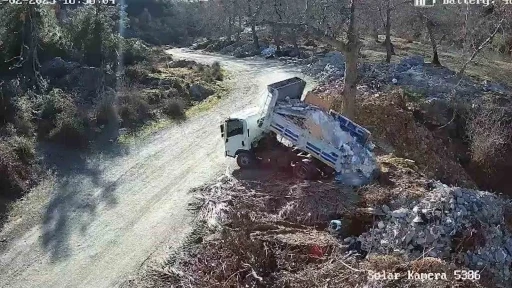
(400, 213)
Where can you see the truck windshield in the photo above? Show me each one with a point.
(234, 127)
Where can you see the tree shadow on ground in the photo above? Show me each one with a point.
(80, 190)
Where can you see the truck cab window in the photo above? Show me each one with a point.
(235, 127)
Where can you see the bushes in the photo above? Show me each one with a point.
(16, 172)
(136, 73)
(106, 111)
(134, 51)
(490, 133)
(23, 147)
(133, 108)
(61, 121)
(212, 73)
(174, 108)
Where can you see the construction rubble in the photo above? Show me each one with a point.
(411, 72)
(327, 68)
(465, 225)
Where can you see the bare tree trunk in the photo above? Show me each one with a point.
(238, 34)
(255, 36)
(435, 57)
(389, 47)
(375, 34)
(276, 34)
(296, 51)
(351, 55)
(230, 27)
(276, 28)
(253, 26)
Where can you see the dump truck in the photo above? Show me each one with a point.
(287, 132)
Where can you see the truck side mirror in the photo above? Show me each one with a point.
(222, 130)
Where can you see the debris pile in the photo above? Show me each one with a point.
(465, 225)
(272, 201)
(327, 68)
(411, 73)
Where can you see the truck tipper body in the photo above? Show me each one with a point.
(289, 132)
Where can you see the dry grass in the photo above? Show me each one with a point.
(305, 203)
(490, 131)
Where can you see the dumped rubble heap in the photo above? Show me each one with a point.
(327, 68)
(266, 233)
(411, 73)
(465, 225)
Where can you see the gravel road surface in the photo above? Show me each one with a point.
(107, 213)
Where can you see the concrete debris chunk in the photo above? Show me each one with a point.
(400, 213)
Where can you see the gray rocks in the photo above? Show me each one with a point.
(381, 225)
(431, 226)
(200, 92)
(508, 246)
(327, 68)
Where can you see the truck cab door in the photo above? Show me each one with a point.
(235, 136)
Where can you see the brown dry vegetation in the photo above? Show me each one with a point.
(390, 118)
(259, 246)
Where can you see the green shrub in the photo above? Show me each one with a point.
(212, 73)
(23, 147)
(70, 129)
(134, 51)
(106, 110)
(24, 115)
(16, 170)
(217, 71)
(133, 108)
(61, 121)
(136, 74)
(174, 108)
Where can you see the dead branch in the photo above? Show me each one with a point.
(482, 46)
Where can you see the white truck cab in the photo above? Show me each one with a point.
(240, 131)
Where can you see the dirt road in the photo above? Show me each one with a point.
(107, 213)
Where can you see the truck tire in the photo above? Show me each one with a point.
(245, 160)
(303, 170)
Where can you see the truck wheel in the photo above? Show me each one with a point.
(245, 160)
(303, 170)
